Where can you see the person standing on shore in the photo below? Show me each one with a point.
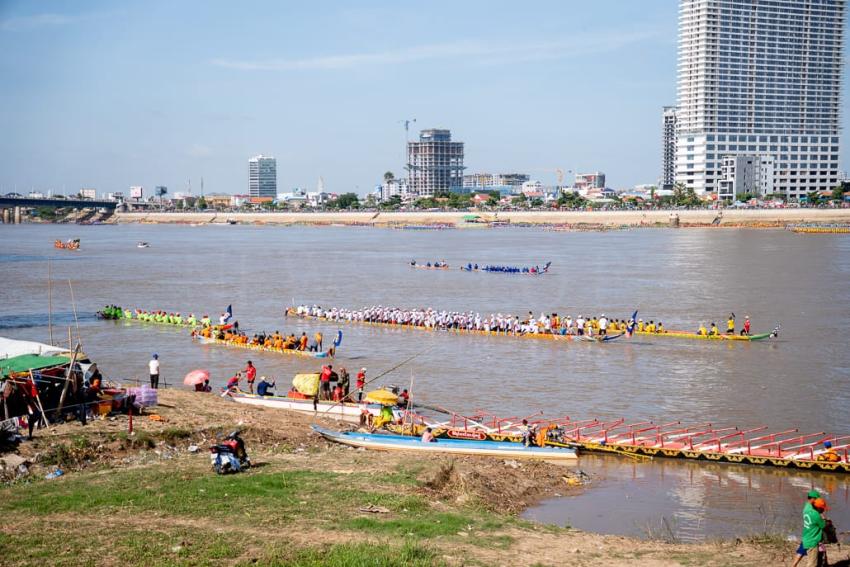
(344, 381)
(361, 383)
(250, 375)
(153, 367)
(813, 525)
(325, 382)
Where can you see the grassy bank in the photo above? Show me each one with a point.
(147, 499)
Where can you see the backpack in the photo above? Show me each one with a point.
(830, 535)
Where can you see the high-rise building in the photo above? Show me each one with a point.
(760, 78)
(262, 177)
(668, 150)
(434, 163)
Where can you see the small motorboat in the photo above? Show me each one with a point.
(143, 245)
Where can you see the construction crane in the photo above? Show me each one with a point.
(407, 124)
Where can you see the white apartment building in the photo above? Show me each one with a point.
(746, 174)
(760, 78)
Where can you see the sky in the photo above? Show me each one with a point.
(114, 94)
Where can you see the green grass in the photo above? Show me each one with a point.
(357, 555)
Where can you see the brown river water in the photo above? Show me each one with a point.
(681, 277)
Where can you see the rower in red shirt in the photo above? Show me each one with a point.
(746, 330)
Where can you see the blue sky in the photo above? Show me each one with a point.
(113, 94)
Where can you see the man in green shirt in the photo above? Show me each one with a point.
(813, 525)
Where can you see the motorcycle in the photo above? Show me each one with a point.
(229, 456)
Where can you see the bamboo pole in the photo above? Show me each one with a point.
(67, 380)
(49, 301)
(74, 307)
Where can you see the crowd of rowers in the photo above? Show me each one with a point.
(470, 267)
(159, 316)
(504, 324)
(469, 321)
(274, 341)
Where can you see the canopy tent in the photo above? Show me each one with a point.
(10, 348)
(27, 362)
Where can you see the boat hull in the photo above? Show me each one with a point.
(689, 335)
(379, 442)
(291, 352)
(344, 411)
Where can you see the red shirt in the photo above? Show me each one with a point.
(233, 382)
(251, 373)
(361, 379)
(326, 374)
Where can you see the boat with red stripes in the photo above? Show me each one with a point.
(788, 448)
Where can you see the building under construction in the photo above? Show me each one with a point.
(434, 163)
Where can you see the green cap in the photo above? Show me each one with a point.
(813, 494)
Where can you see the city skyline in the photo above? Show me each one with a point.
(112, 96)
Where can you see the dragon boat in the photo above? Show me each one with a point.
(722, 337)
(261, 348)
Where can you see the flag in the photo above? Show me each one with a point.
(338, 339)
(630, 326)
(228, 313)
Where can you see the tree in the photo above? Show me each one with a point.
(493, 201)
(838, 192)
(347, 201)
(202, 203)
(571, 200)
(537, 202)
(519, 201)
(813, 197)
(160, 192)
(388, 176)
(392, 203)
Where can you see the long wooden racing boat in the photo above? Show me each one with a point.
(262, 348)
(702, 442)
(348, 411)
(389, 442)
(291, 312)
(690, 335)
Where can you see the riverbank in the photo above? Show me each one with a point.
(752, 218)
(148, 498)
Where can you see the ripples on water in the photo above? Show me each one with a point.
(681, 277)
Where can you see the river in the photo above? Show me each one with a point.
(681, 277)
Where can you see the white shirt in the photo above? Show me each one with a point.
(154, 366)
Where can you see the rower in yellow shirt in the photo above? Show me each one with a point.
(702, 330)
(640, 326)
(730, 325)
(650, 328)
(660, 328)
(715, 332)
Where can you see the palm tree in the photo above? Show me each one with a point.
(388, 176)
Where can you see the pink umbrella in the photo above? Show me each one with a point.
(196, 377)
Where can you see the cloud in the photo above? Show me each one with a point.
(18, 23)
(474, 51)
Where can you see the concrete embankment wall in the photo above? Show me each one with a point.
(729, 217)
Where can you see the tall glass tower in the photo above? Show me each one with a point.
(262, 177)
(760, 78)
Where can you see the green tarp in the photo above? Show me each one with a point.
(27, 362)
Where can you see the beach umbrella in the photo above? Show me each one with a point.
(196, 377)
(383, 397)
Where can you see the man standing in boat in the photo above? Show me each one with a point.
(730, 325)
(745, 330)
(361, 383)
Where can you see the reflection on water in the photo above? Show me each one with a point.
(681, 277)
(689, 501)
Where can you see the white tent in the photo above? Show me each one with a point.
(10, 348)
